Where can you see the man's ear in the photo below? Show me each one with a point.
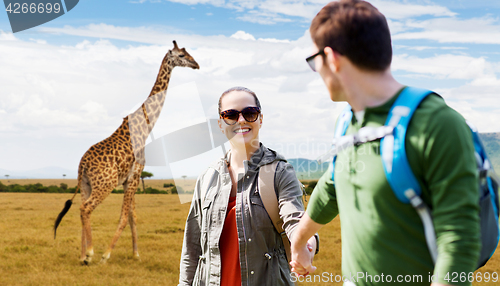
(332, 59)
(260, 120)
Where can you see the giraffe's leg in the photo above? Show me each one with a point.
(84, 245)
(85, 191)
(97, 196)
(132, 219)
(127, 202)
(85, 211)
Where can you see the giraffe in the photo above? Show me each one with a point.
(119, 160)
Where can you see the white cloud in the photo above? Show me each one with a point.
(303, 9)
(194, 2)
(444, 66)
(241, 35)
(273, 11)
(396, 26)
(403, 10)
(263, 18)
(484, 30)
(105, 31)
(272, 40)
(476, 98)
(38, 41)
(7, 36)
(476, 103)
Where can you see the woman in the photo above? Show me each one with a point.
(229, 238)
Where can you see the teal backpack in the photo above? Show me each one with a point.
(401, 178)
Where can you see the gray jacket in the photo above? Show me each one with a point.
(262, 254)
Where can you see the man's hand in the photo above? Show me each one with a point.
(303, 246)
(305, 254)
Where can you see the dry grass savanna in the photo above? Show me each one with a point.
(30, 255)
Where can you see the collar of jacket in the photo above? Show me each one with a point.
(260, 157)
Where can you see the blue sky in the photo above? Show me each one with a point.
(67, 84)
(202, 19)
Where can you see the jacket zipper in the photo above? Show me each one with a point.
(245, 164)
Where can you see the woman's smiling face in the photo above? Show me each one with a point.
(242, 133)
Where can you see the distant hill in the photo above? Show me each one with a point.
(308, 169)
(491, 142)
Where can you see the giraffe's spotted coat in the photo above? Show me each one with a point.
(119, 159)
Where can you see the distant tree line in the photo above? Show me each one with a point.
(63, 188)
(35, 188)
(309, 186)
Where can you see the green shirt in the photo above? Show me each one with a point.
(380, 234)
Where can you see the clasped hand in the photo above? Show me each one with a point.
(302, 258)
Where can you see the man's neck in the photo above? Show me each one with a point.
(370, 89)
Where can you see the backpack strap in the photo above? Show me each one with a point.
(396, 166)
(341, 141)
(340, 130)
(270, 201)
(392, 147)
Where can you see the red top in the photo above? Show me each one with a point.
(229, 248)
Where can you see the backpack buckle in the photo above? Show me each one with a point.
(415, 200)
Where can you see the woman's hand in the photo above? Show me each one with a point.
(302, 259)
(303, 246)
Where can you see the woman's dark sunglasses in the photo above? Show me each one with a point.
(310, 60)
(231, 116)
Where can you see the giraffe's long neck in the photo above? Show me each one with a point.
(154, 103)
(163, 78)
(142, 121)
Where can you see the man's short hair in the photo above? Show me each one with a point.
(355, 29)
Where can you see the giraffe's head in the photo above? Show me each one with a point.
(181, 58)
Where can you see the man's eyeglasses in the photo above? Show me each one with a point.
(310, 60)
(231, 116)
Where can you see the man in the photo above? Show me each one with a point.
(382, 237)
